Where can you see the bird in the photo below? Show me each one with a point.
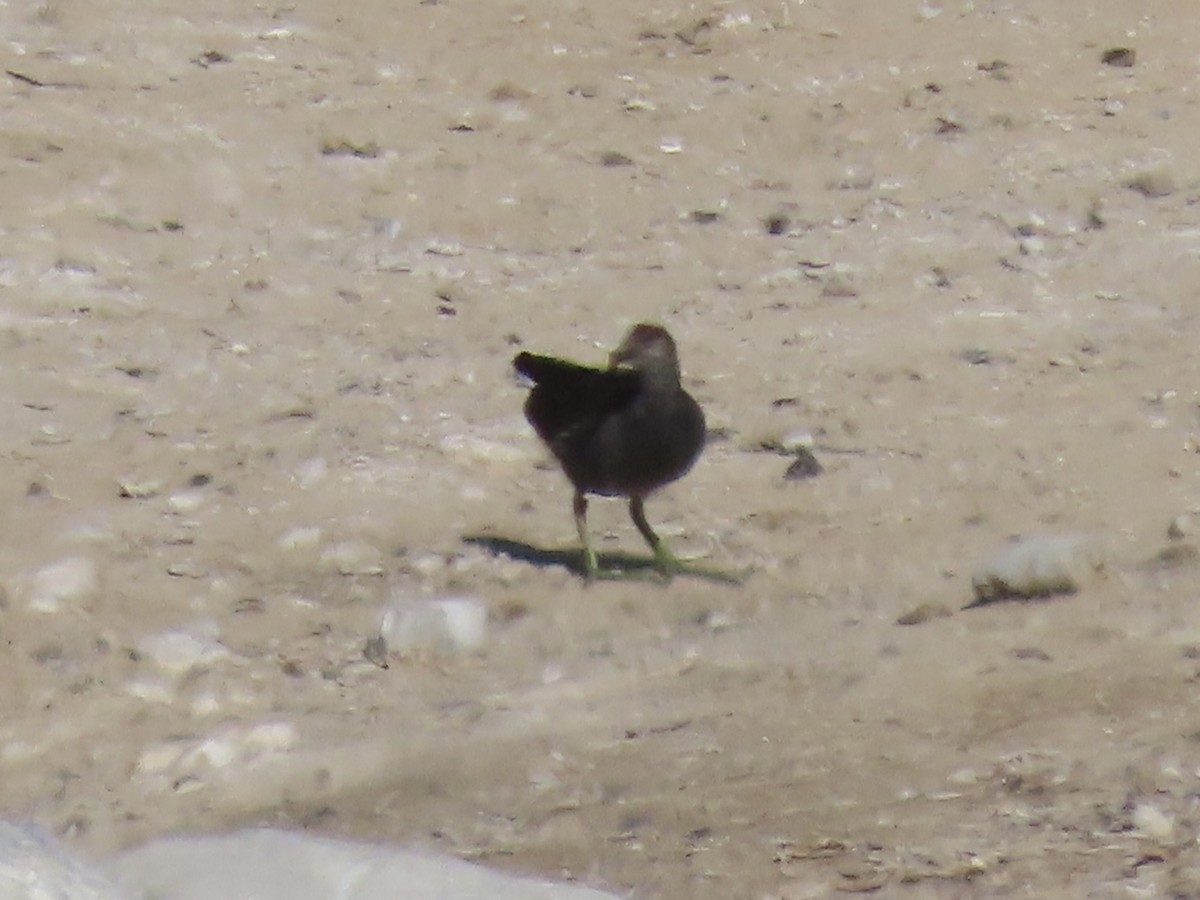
(622, 431)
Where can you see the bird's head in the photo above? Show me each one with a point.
(649, 349)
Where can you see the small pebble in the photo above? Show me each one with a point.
(838, 287)
(1119, 57)
(375, 651)
(1176, 555)
(1034, 653)
(1153, 822)
(187, 568)
(612, 159)
(1181, 526)
(800, 439)
(1153, 183)
(964, 776)
(777, 223)
(185, 502)
(273, 737)
(152, 690)
(353, 558)
(925, 612)
(215, 752)
(138, 490)
(429, 565)
(853, 177)
(805, 465)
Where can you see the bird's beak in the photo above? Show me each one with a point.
(620, 359)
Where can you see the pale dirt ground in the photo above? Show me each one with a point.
(988, 332)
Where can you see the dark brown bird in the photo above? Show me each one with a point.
(624, 431)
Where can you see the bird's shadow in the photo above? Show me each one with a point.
(613, 566)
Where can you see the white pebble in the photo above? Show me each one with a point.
(33, 866)
(184, 502)
(1153, 822)
(206, 704)
(138, 490)
(67, 580)
(311, 472)
(452, 625)
(216, 752)
(1181, 526)
(301, 538)
(152, 690)
(1038, 566)
(271, 736)
(353, 558)
(176, 652)
(800, 439)
(429, 564)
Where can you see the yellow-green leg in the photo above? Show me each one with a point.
(591, 567)
(666, 561)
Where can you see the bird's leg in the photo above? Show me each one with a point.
(668, 563)
(590, 565)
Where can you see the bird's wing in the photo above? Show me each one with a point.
(568, 396)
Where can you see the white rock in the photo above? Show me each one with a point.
(800, 439)
(1153, 822)
(1039, 565)
(176, 652)
(152, 690)
(429, 564)
(34, 867)
(67, 580)
(301, 538)
(353, 558)
(277, 865)
(1181, 526)
(184, 502)
(139, 490)
(446, 626)
(274, 737)
(216, 752)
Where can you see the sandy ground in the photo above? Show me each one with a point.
(262, 274)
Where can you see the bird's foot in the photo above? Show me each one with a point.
(669, 565)
(666, 567)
